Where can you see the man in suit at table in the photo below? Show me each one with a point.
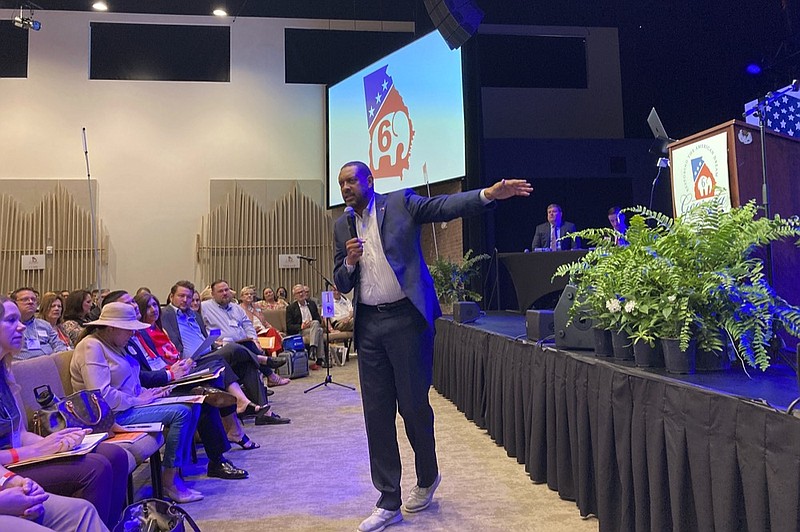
(378, 255)
(547, 234)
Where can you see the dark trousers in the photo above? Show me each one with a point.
(395, 362)
(209, 425)
(100, 477)
(241, 360)
(212, 362)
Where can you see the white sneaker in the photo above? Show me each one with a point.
(379, 520)
(421, 498)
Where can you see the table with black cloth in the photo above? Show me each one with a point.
(532, 275)
(638, 448)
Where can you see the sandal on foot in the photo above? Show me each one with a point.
(253, 410)
(246, 443)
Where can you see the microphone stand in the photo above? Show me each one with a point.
(759, 111)
(328, 379)
(662, 163)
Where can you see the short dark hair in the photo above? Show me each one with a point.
(183, 284)
(556, 205)
(113, 296)
(23, 289)
(360, 165)
(215, 283)
(614, 210)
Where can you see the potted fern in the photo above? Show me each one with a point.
(451, 279)
(692, 281)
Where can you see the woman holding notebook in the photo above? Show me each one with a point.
(101, 362)
(28, 499)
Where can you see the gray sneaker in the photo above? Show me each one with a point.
(421, 498)
(380, 519)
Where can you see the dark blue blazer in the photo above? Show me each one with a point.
(169, 321)
(400, 215)
(541, 238)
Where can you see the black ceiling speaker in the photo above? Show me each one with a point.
(456, 20)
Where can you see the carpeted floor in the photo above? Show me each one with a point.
(313, 474)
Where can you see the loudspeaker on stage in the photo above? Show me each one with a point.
(540, 324)
(465, 311)
(576, 335)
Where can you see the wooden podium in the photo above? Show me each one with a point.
(742, 164)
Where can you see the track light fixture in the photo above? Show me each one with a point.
(25, 18)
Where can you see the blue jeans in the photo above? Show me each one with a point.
(181, 422)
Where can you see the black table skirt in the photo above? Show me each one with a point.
(638, 450)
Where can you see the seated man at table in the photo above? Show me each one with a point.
(547, 234)
(39, 337)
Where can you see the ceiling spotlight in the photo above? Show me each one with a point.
(100, 6)
(26, 22)
(220, 12)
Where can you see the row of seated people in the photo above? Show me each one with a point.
(66, 317)
(132, 362)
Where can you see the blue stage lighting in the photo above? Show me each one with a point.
(754, 69)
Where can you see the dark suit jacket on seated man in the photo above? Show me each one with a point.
(302, 317)
(395, 308)
(188, 333)
(542, 237)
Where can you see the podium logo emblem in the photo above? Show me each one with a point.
(704, 181)
(391, 131)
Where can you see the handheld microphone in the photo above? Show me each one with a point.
(309, 259)
(351, 221)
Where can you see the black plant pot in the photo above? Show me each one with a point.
(602, 342)
(713, 360)
(648, 356)
(677, 361)
(623, 345)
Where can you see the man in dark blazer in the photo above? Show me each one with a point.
(554, 225)
(378, 255)
(302, 317)
(241, 359)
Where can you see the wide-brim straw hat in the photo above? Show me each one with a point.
(119, 315)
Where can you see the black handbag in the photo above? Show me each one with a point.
(84, 409)
(155, 515)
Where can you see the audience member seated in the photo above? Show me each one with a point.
(101, 362)
(50, 310)
(302, 317)
(195, 304)
(26, 507)
(77, 309)
(342, 313)
(161, 362)
(264, 328)
(221, 313)
(100, 477)
(188, 334)
(40, 338)
(283, 297)
(95, 312)
(270, 301)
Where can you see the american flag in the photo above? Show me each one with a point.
(781, 115)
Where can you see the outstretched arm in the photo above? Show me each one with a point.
(508, 188)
